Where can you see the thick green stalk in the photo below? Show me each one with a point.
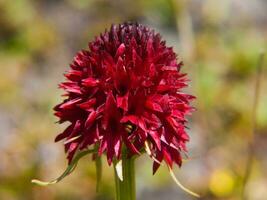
(125, 189)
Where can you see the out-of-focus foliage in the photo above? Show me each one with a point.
(219, 42)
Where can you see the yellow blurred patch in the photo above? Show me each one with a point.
(221, 183)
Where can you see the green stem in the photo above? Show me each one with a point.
(125, 190)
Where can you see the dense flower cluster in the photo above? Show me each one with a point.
(126, 90)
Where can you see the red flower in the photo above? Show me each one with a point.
(126, 90)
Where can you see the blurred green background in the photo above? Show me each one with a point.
(219, 41)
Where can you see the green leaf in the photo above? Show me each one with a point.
(69, 169)
(181, 186)
(118, 168)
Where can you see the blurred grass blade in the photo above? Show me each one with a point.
(98, 165)
(69, 169)
(251, 142)
(181, 186)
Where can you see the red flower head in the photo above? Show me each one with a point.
(126, 91)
